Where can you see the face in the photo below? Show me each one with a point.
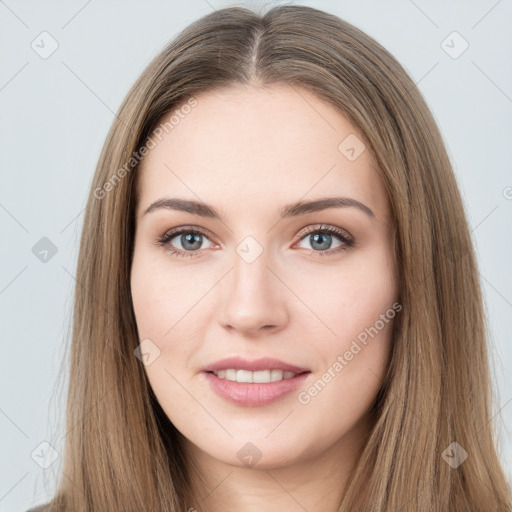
(314, 288)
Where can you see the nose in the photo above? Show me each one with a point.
(254, 298)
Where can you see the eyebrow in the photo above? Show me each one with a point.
(291, 210)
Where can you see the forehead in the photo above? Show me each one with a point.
(245, 145)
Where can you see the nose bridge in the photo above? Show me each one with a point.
(253, 298)
(250, 272)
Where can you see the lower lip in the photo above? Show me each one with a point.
(253, 394)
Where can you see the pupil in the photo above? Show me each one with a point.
(189, 238)
(320, 235)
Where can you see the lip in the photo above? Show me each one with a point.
(264, 363)
(251, 394)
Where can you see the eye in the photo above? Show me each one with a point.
(321, 238)
(190, 240)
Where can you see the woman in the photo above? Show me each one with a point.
(217, 361)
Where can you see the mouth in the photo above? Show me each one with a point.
(254, 382)
(254, 389)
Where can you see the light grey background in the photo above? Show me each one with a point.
(55, 114)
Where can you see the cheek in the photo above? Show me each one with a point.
(351, 298)
(359, 308)
(146, 297)
(163, 329)
(169, 313)
(161, 294)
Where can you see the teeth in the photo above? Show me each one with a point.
(263, 376)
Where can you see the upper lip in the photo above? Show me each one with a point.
(265, 363)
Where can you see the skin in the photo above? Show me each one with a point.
(248, 152)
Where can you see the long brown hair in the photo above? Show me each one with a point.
(122, 452)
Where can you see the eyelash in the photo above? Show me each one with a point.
(348, 242)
